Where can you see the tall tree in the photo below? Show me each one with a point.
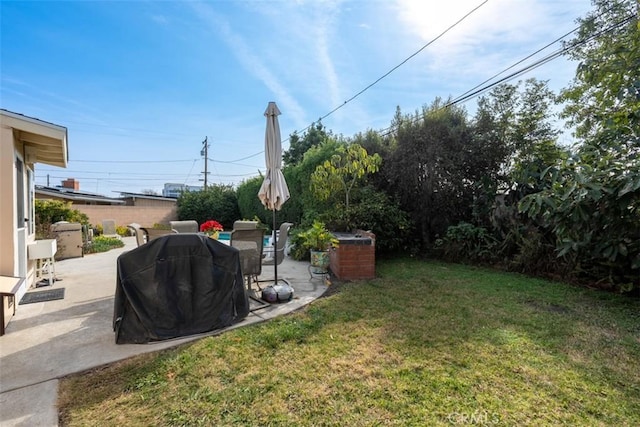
(518, 124)
(314, 136)
(426, 168)
(593, 206)
(603, 102)
(534, 138)
(338, 175)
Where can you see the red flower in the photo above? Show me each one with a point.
(211, 226)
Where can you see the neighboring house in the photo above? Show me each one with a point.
(140, 208)
(139, 199)
(73, 195)
(24, 142)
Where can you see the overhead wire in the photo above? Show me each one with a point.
(470, 94)
(429, 43)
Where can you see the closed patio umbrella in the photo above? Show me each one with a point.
(273, 192)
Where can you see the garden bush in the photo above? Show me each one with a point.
(466, 242)
(48, 212)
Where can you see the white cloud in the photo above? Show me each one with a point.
(160, 19)
(495, 36)
(250, 61)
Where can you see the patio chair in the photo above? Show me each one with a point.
(189, 226)
(138, 232)
(245, 225)
(250, 244)
(154, 233)
(277, 254)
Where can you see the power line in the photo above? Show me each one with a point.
(91, 178)
(521, 61)
(71, 171)
(430, 42)
(469, 94)
(133, 161)
(554, 55)
(171, 161)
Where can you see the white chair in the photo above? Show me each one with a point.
(276, 255)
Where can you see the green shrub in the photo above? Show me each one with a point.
(48, 212)
(121, 230)
(298, 251)
(467, 243)
(374, 211)
(217, 202)
(103, 244)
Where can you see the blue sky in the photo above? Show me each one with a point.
(140, 84)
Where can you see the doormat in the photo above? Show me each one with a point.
(41, 296)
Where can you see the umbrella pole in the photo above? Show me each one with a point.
(275, 248)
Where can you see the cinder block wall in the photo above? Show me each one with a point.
(123, 215)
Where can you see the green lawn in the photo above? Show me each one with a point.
(424, 344)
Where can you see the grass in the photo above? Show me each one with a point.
(424, 344)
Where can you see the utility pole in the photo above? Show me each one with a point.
(205, 152)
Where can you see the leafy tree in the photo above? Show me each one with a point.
(534, 138)
(314, 136)
(593, 204)
(490, 150)
(349, 165)
(426, 170)
(514, 126)
(217, 202)
(373, 210)
(304, 206)
(603, 102)
(383, 145)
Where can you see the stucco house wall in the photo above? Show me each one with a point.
(8, 241)
(24, 142)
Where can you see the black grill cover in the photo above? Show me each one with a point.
(177, 285)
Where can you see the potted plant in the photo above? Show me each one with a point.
(211, 228)
(318, 240)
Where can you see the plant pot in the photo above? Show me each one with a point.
(319, 262)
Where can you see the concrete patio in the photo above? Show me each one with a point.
(46, 341)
